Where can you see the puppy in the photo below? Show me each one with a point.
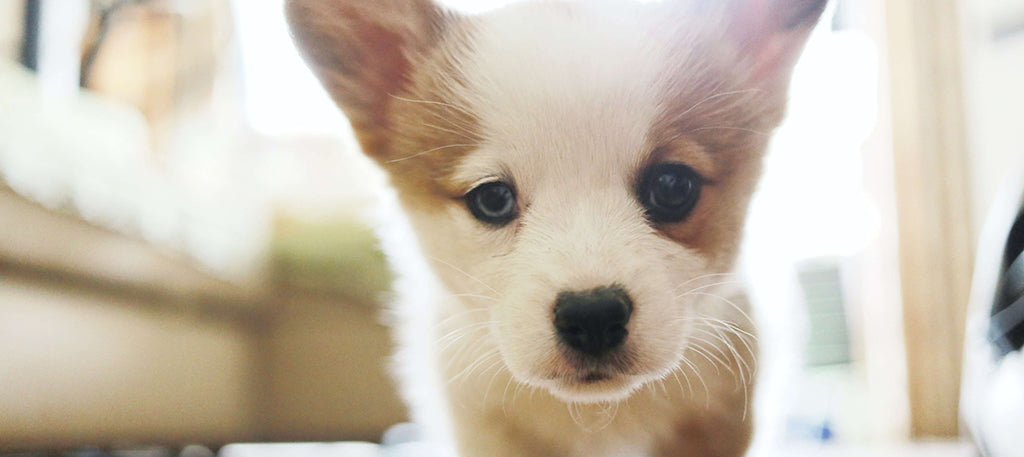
(577, 176)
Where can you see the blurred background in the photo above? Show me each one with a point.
(186, 254)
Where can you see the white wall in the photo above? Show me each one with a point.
(994, 80)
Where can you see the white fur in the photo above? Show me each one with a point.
(565, 108)
(573, 146)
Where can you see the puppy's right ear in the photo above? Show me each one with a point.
(363, 52)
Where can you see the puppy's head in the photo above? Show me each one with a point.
(569, 167)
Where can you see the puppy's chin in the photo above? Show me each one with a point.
(592, 387)
(594, 382)
(574, 378)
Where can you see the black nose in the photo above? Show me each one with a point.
(594, 321)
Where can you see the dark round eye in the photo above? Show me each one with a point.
(492, 203)
(669, 191)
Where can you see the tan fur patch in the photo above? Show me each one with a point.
(720, 126)
(433, 130)
(391, 66)
(705, 435)
(361, 52)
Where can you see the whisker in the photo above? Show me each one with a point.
(459, 354)
(708, 355)
(574, 413)
(744, 364)
(733, 305)
(497, 370)
(705, 286)
(469, 130)
(428, 151)
(463, 134)
(728, 344)
(715, 336)
(689, 386)
(505, 396)
(740, 332)
(747, 370)
(701, 277)
(433, 102)
(458, 334)
(717, 95)
(486, 358)
(460, 315)
(474, 278)
(696, 372)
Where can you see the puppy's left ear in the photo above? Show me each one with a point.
(770, 33)
(364, 52)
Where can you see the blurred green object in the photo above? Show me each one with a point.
(828, 339)
(339, 256)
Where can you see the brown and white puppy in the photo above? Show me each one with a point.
(577, 176)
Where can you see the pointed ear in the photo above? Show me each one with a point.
(770, 33)
(363, 52)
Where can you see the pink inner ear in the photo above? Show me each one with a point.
(774, 57)
(385, 65)
(360, 49)
(760, 26)
(753, 20)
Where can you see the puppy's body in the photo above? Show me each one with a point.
(577, 176)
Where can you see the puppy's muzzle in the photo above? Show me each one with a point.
(593, 322)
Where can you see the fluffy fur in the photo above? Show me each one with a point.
(570, 102)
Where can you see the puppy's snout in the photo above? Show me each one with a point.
(594, 321)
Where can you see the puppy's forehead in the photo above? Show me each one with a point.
(576, 86)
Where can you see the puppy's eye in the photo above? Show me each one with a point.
(492, 203)
(669, 191)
